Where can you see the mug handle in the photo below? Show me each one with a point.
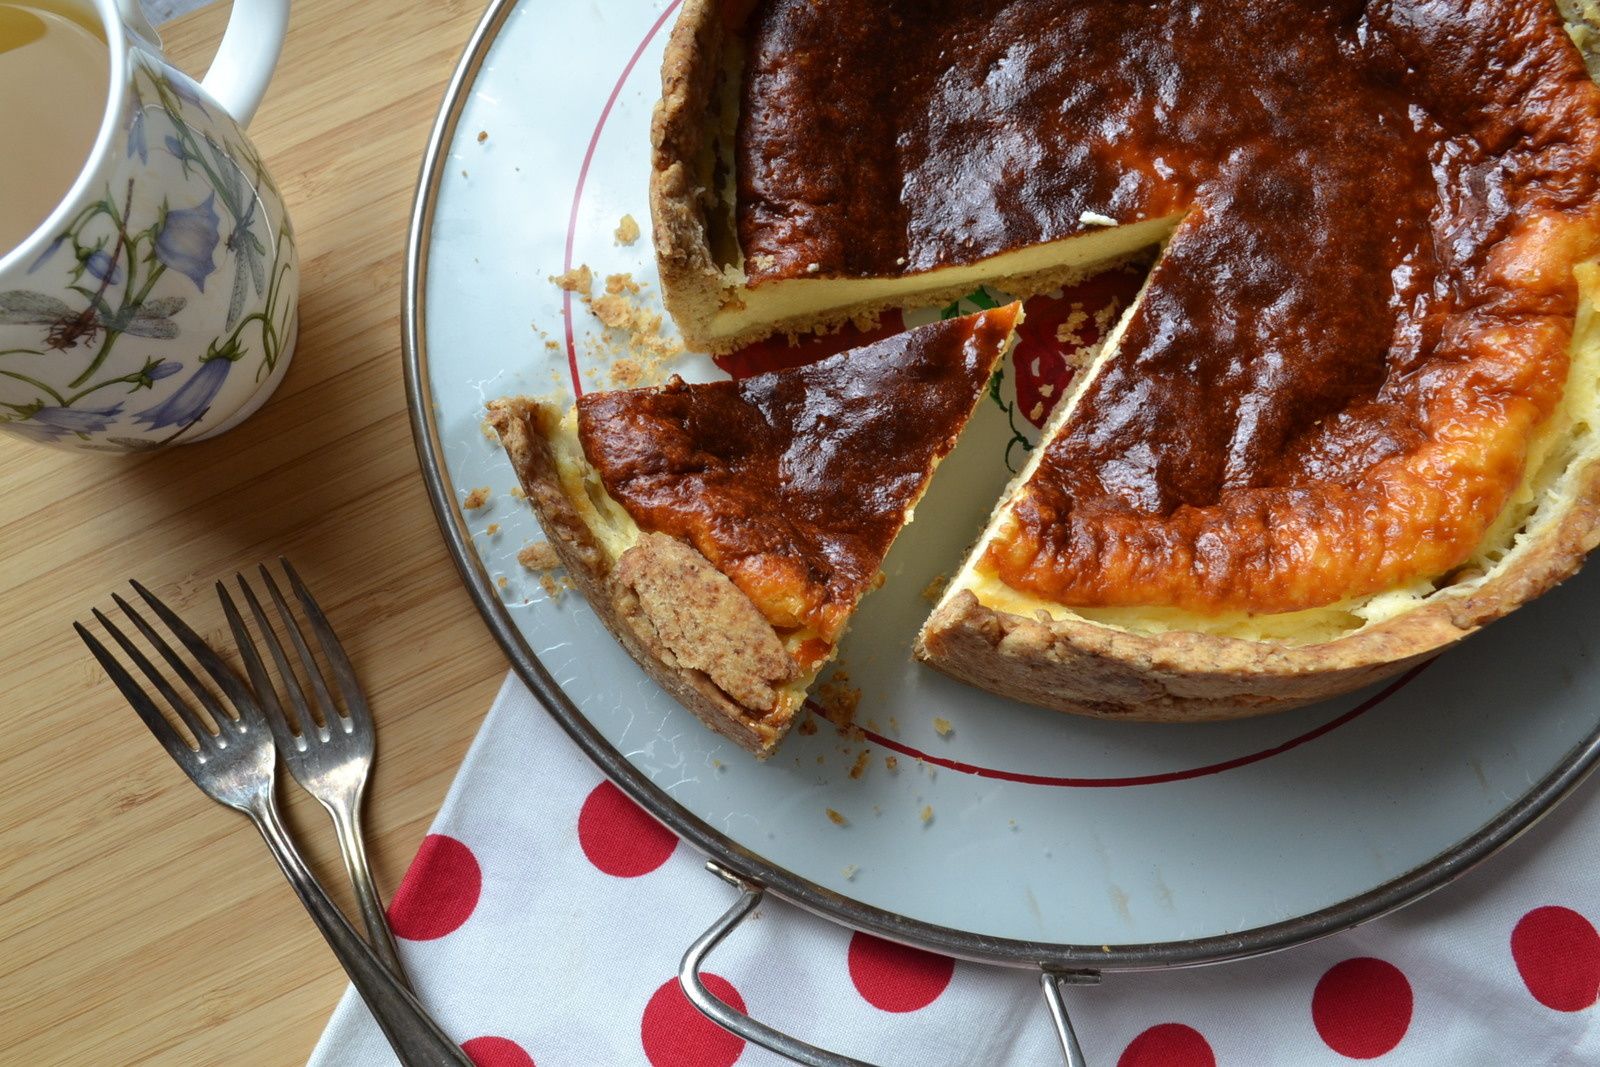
(250, 47)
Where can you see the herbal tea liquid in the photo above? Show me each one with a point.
(54, 70)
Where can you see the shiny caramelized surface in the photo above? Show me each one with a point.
(794, 483)
(1329, 384)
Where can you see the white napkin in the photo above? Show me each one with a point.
(545, 915)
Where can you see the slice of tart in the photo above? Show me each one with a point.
(1352, 416)
(726, 531)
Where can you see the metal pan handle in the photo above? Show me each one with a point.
(759, 1033)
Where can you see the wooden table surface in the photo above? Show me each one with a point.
(139, 922)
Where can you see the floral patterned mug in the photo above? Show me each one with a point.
(156, 304)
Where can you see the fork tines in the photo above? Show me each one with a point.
(317, 713)
(211, 734)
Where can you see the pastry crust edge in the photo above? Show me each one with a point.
(691, 283)
(514, 419)
(1088, 669)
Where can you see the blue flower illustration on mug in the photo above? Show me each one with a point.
(136, 141)
(100, 264)
(112, 286)
(51, 423)
(187, 241)
(193, 398)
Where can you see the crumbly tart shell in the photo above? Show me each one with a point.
(681, 196)
(524, 427)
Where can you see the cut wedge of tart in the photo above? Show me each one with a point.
(726, 531)
(1351, 418)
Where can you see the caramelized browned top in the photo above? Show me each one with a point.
(795, 483)
(1328, 386)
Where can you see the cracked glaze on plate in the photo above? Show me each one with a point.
(1019, 824)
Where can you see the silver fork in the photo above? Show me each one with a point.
(330, 759)
(233, 761)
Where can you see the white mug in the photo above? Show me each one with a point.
(157, 303)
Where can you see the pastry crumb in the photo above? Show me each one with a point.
(627, 374)
(502, 581)
(836, 818)
(838, 701)
(808, 725)
(476, 498)
(483, 135)
(932, 590)
(612, 310)
(860, 767)
(927, 814)
(517, 493)
(579, 279)
(627, 230)
(493, 529)
(943, 727)
(1070, 331)
(632, 345)
(891, 764)
(849, 872)
(538, 556)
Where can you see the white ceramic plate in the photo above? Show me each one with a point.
(1020, 835)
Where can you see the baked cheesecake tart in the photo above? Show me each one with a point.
(726, 531)
(1352, 416)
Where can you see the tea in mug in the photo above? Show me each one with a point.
(54, 74)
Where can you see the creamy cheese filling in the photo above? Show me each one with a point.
(1567, 443)
(748, 308)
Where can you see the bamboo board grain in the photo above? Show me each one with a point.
(139, 923)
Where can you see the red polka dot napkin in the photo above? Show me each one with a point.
(543, 919)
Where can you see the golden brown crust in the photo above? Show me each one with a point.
(524, 426)
(1089, 669)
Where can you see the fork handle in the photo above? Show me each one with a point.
(417, 1040)
(347, 826)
